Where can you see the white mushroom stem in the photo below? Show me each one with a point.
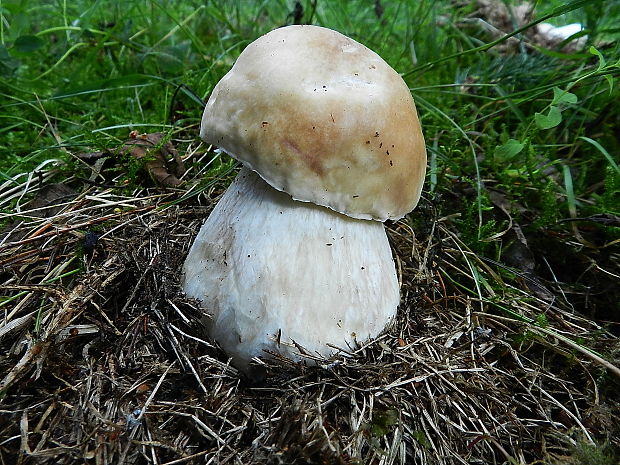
(272, 271)
(560, 33)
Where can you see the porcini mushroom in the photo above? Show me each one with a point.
(294, 258)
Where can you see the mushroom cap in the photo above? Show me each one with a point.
(323, 118)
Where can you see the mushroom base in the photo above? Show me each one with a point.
(277, 274)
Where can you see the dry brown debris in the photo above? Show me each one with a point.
(105, 361)
(496, 18)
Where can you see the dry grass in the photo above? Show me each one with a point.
(104, 360)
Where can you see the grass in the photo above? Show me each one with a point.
(517, 233)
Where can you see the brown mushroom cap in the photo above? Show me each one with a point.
(323, 118)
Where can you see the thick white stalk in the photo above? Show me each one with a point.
(271, 270)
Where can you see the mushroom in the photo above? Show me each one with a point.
(294, 259)
(552, 36)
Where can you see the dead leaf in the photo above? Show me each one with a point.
(141, 146)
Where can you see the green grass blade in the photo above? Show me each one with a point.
(605, 153)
